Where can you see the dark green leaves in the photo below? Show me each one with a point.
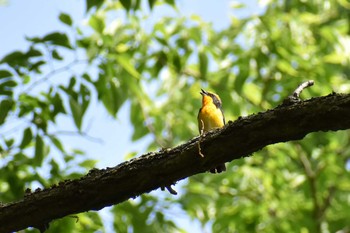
(39, 151)
(66, 19)
(137, 118)
(113, 98)
(126, 4)
(19, 60)
(54, 38)
(77, 112)
(93, 3)
(5, 107)
(5, 74)
(151, 3)
(27, 138)
(79, 100)
(57, 38)
(203, 64)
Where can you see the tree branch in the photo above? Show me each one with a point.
(110, 186)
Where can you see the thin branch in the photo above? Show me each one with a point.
(301, 87)
(78, 133)
(295, 97)
(170, 189)
(52, 73)
(327, 200)
(310, 174)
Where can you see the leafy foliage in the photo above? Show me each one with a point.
(252, 64)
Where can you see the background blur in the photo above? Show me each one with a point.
(87, 84)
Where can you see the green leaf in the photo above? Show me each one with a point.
(203, 64)
(87, 77)
(85, 97)
(55, 169)
(9, 142)
(56, 55)
(137, 4)
(137, 120)
(66, 19)
(93, 3)
(97, 23)
(12, 56)
(39, 151)
(59, 39)
(8, 84)
(126, 4)
(58, 106)
(57, 143)
(285, 67)
(5, 74)
(113, 98)
(241, 78)
(124, 61)
(77, 112)
(27, 138)
(177, 62)
(161, 40)
(32, 52)
(35, 66)
(5, 107)
(151, 3)
(89, 163)
(170, 2)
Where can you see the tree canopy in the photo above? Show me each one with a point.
(158, 69)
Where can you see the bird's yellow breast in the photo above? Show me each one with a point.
(211, 117)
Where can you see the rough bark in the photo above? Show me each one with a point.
(110, 186)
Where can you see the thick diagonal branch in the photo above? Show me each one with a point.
(151, 171)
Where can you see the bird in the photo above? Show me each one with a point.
(211, 116)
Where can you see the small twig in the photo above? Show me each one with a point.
(76, 133)
(295, 97)
(200, 140)
(311, 176)
(170, 189)
(301, 87)
(53, 72)
(327, 200)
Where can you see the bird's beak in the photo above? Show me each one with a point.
(203, 92)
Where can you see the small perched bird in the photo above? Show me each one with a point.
(211, 116)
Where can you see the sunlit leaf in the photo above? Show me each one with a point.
(124, 61)
(88, 163)
(97, 23)
(58, 144)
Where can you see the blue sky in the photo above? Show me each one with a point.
(39, 17)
